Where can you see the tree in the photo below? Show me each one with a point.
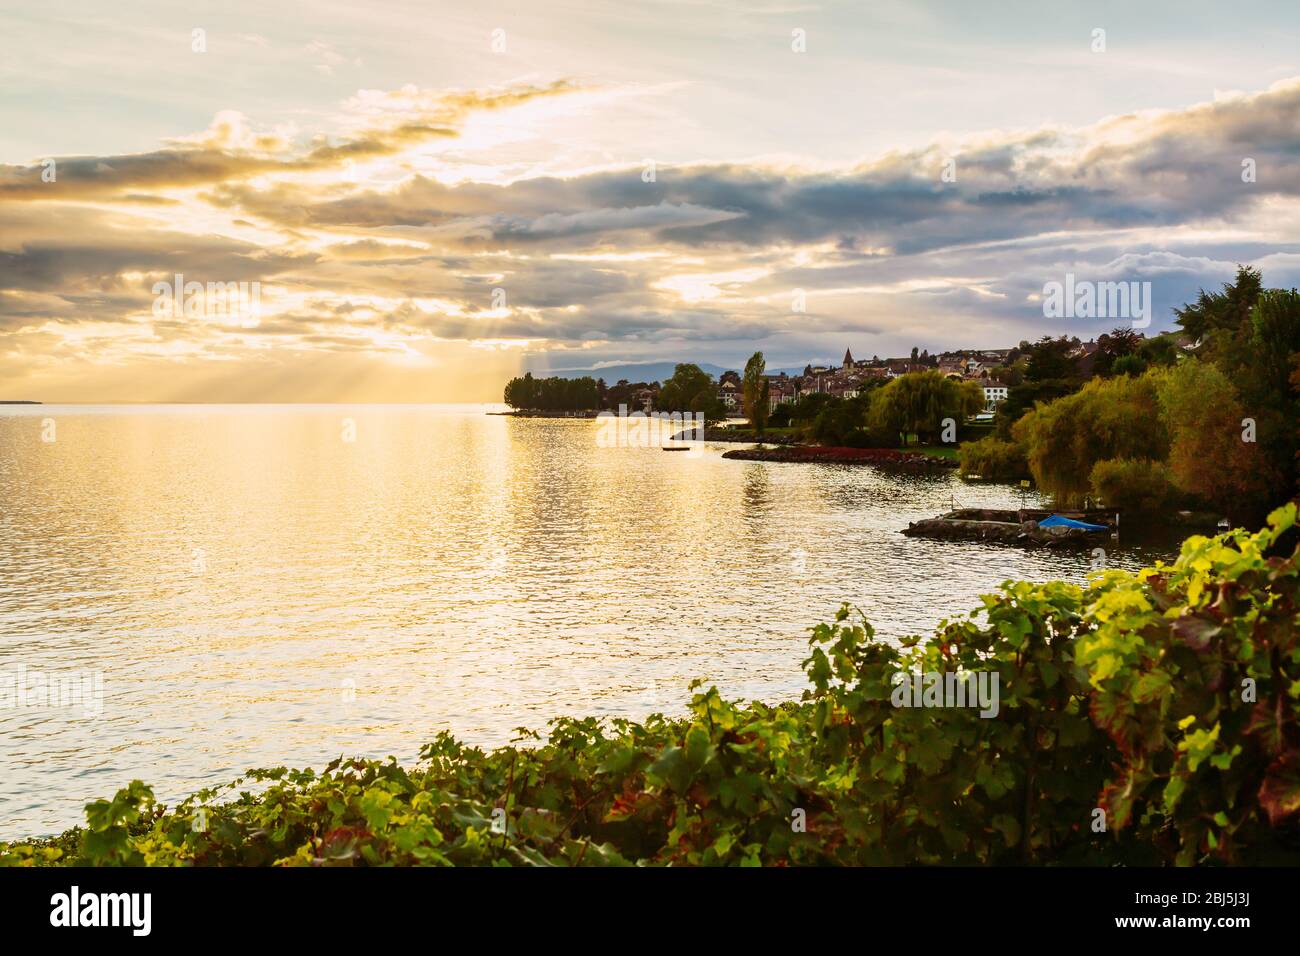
(1136, 484)
(920, 401)
(837, 421)
(993, 459)
(1108, 418)
(1160, 350)
(806, 409)
(710, 406)
(552, 394)
(1202, 414)
(680, 391)
(1009, 375)
(691, 389)
(1221, 312)
(1113, 346)
(754, 392)
(1050, 359)
(1253, 334)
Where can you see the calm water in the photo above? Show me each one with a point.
(254, 590)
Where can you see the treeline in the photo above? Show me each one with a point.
(1159, 426)
(690, 389)
(553, 394)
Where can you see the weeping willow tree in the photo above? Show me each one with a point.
(920, 401)
(1115, 418)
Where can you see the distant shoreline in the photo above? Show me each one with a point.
(541, 413)
(17, 401)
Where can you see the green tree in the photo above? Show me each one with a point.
(837, 421)
(691, 389)
(553, 394)
(918, 402)
(680, 391)
(1202, 414)
(1222, 314)
(1114, 346)
(1136, 484)
(1108, 418)
(1160, 350)
(1051, 359)
(807, 407)
(755, 392)
(1253, 335)
(1022, 398)
(993, 458)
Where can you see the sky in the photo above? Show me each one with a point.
(421, 199)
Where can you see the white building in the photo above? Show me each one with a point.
(993, 394)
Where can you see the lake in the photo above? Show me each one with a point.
(277, 585)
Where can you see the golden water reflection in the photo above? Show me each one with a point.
(255, 589)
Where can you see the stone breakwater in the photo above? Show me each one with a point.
(883, 457)
(1006, 527)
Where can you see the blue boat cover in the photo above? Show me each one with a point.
(1056, 521)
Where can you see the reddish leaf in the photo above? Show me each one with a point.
(1279, 794)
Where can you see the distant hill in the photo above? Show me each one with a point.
(641, 371)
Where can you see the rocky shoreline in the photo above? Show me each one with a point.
(1009, 527)
(881, 457)
(735, 436)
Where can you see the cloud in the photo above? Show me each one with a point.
(230, 152)
(392, 231)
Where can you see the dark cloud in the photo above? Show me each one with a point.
(884, 251)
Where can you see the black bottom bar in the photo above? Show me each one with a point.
(240, 906)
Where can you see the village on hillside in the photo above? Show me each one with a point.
(990, 368)
(994, 370)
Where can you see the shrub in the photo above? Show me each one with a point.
(1129, 365)
(871, 438)
(1108, 418)
(836, 422)
(1149, 718)
(994, 459)
(1138, 484)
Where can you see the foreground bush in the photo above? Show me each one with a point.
(1149, 719)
